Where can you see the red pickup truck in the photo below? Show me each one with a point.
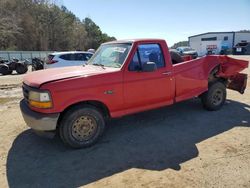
(123, 77)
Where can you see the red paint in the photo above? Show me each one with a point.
(134, 91)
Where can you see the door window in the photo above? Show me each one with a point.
(135, 65)
(147, 53)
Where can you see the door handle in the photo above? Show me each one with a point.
(167, 73)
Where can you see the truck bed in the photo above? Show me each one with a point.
(193, 75)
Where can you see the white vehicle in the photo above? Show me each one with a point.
(64, 59)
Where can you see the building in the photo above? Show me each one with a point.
(216, 42)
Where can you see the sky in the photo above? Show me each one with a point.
(172, 20)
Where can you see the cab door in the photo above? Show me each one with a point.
(148, 89)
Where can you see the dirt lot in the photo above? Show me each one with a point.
(178, 146)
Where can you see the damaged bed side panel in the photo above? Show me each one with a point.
(230, 69)
(238, 82)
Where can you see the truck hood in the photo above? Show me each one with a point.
(36, 79)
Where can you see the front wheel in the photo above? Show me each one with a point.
(215, 97)
(81, 126)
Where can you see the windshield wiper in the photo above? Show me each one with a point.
(98, 64)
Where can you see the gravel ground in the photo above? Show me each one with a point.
(177, 146)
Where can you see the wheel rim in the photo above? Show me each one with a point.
(217, 97)
(84, 128)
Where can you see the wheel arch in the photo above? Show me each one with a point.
(97, 104)
(213, 75)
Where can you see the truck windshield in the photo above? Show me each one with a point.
(111, 55)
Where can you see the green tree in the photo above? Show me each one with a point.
(179, 44)
(94, 34)
(42, 25)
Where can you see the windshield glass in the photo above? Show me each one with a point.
(111, 55)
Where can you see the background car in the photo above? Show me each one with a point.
(64, 59)
(242, 48)
(186, 50)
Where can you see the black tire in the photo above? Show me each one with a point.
(215, 97)
(21, 68)
(4, 69)
(72, 120)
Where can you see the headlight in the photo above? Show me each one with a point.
(40, 99)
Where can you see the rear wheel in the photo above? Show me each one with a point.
(215, 97)
(81, 126)
(21, 68)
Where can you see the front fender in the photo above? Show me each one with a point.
(80, 99)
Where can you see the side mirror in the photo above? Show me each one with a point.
(149, 67)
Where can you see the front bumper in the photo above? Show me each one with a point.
(38, 121)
